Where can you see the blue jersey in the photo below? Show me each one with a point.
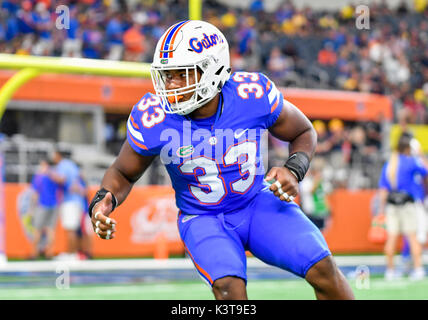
(70, 171)
(215, 163)
(84, 199)
(408, 168)
(46, 189)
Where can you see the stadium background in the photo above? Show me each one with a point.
(360, 85)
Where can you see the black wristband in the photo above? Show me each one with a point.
(298, 163)
(100, 196)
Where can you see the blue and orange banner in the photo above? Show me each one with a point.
(147, 225)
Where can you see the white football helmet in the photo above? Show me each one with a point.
(191, 45)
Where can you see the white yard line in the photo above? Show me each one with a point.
(168, 264)
(31, 293)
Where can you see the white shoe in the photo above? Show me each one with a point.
(61, 257)
(417, 274)
(391, 274)
(67, 257)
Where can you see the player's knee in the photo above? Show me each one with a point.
(328, 281)
(324, 273)
(228, 288)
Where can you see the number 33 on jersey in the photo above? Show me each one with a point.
(214, 167)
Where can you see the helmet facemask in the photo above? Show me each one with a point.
(195, 47)
(204, 87)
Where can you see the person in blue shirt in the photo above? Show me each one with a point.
(12, 29)
(26, 18)
(43, 26)
(84, 232)
(45, 214)
(92, 41)
(43, 21)
(66, 174)
(399, 196)
(114, 37)
(420, 194)
(12, 6)
(206, 125)
(72, 45)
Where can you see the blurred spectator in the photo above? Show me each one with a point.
(420, 5)
(399, 202)
(85, 231)
(352, 82)
(402, 8)
(11, 6)
(66, 174)
(45, 213)
(378, 49)
(339, 152)
(285, 11)
(357, 139)
(324, 145)
(327, 56)
(26, 18)
(415, 108)
(396, 69)
(92, 41)
(373, 137)
(246, 33)
(278, 65)
(384, 59)
(43, 25)
(229, 19)
(72, 45)
(313, 194)
(12, 29)
(336, 129)
(114, 36)
(347, 12)
(133, 41)
(256, 6)
(327, 22)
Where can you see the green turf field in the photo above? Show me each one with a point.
(257, 289)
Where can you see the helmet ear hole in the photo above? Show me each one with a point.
(219, 71)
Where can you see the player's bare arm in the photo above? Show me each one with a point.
(293, 126)
(118, 180)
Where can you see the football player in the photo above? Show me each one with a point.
(206, 123)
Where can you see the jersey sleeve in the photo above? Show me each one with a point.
(274, 100)
(143, 140)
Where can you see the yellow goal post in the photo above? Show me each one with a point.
(32, 66)
(29, 67)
